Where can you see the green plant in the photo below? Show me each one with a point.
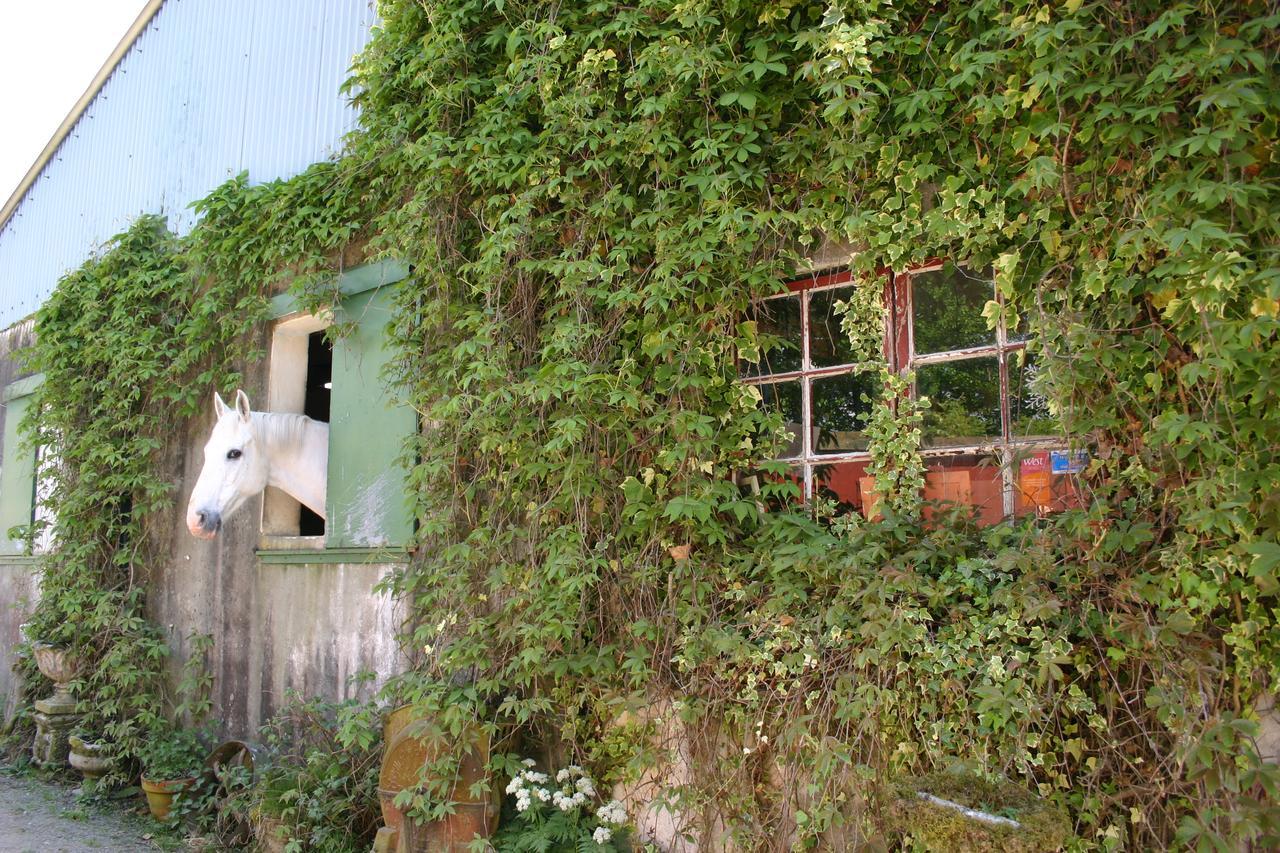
(322, 783)
(560, 815)
(169, 754)
(591, 196)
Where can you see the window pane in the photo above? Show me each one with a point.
(1048, 481)
(971, 480)
(842, 482)
(784, 398)
(840, 413)
(778, 324)
(1028, 408)
(1018, 331)
(964, 399)
(828, 344)
(947, 310)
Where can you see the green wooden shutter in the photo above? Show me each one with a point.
(366, 504)
(17, 477)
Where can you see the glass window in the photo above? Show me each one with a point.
(784, 398)
(780, 333)
(828, 344)
(964, 402)
(986, 409)
(845, 484)
(808, 378)
(946, 310)
(1029, 415)
(841, 407)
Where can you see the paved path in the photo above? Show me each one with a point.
(36, 817)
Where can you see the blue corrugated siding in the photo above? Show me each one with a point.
(209, 89)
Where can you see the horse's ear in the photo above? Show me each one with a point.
(219, 408)
(242, 406)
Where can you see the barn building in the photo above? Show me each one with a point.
(194, 94)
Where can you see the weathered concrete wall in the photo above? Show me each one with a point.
(19, 577)
(276, 628)
(305, 626)
(19, 589)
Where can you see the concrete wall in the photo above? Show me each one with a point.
(19, 576)
(304, 621)
(300, 621)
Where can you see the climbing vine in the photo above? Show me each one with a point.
(129, 342)
(596, 193)
(592, 196)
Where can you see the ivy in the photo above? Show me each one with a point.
(592, 196)
(596, 193)
(131, 340)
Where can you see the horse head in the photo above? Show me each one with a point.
(235, 468)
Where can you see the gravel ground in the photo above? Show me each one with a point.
(39, 817)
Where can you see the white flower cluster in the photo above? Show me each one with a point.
(527, 784)
(574, 791)
(613, 813)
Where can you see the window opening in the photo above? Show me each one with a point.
(301, 381)
(42, 518)
(316, 406)
(808, 374)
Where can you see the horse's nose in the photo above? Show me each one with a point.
(209, 520)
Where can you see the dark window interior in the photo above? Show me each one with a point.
(316, 407)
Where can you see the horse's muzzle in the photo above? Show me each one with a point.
(204, 523)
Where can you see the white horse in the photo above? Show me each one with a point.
(249, 451)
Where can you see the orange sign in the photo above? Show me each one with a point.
(1034, 483)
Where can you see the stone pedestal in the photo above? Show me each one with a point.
(55, 720)
(55, 716)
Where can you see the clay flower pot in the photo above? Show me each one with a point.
(160, 794)
(406, 752)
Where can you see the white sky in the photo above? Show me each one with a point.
(50, 51)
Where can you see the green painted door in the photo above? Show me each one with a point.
(17, 477)
(366, 504)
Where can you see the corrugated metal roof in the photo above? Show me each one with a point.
(208, 89)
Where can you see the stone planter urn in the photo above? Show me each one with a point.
(55, 716)
(89, 758)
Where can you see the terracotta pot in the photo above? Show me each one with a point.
(406, 752)
(160, 794)
(89, 758)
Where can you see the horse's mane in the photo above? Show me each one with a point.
(282, 427)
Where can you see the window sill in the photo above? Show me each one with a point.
(315, 555)
(21, 559)
(285, 542)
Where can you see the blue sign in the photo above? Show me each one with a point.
(1068, 461)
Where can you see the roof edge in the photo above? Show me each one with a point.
(64, 130)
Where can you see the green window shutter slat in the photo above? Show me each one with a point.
(366, 504)
(17, 477)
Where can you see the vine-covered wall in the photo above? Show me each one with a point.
(591, 196)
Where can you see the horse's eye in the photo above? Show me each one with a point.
(233, 454)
